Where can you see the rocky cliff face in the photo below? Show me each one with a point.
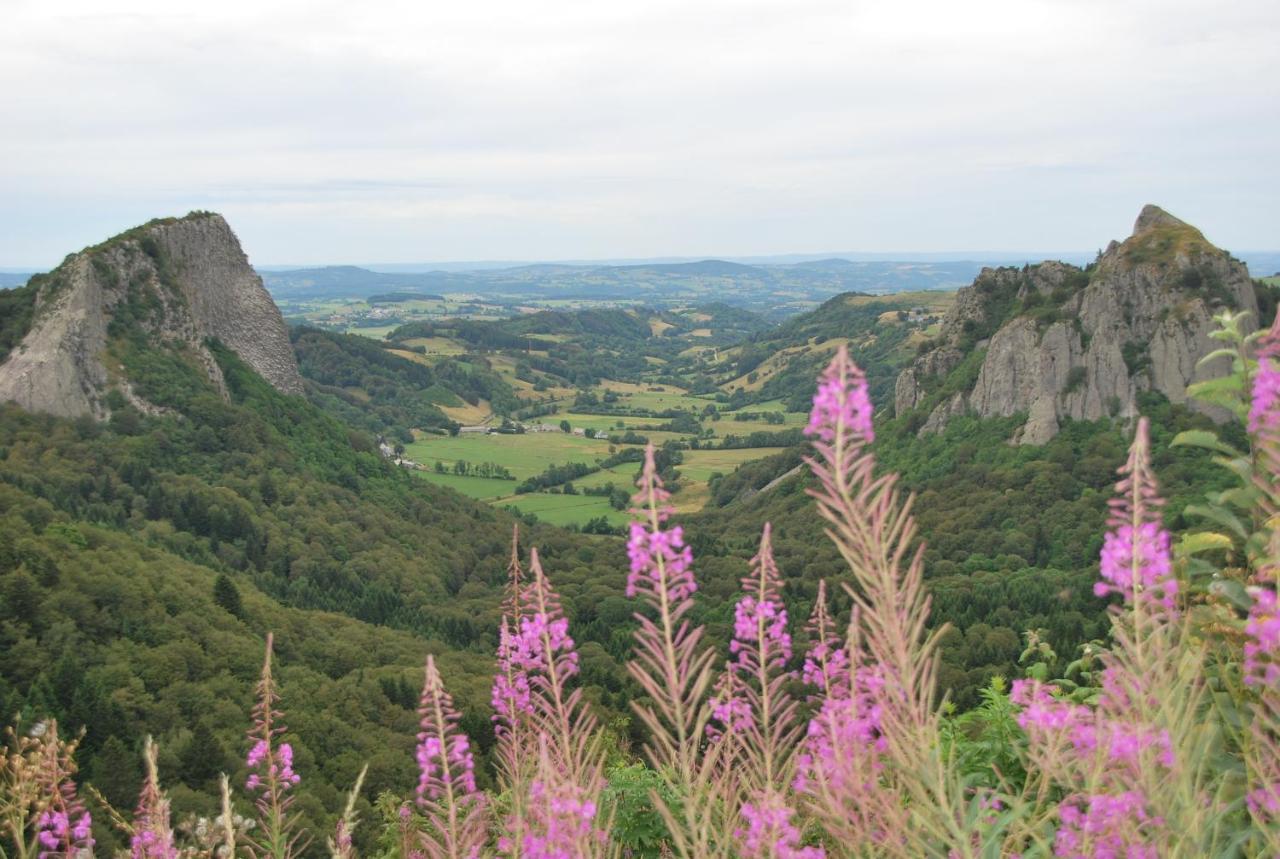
(177, 282)
(1054, 341)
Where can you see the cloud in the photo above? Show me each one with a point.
(409, 131)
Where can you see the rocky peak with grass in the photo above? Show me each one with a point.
(1054, 341)
(139, 313)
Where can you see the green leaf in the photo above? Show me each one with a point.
(1233, 592)
(1205, 541)
(1221, 516)
(1206, 439)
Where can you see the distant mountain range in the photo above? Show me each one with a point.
(786, 282)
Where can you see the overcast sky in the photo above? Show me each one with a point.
(427, 130)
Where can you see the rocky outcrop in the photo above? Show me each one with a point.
(1061, 342)
(195, 283)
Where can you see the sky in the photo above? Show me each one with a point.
(387, 131)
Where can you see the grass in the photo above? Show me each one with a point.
(525, 455)
(438, 345)
(529, 454)
(475, 487)
(378, 333)
(567, 509)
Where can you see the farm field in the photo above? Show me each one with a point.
(477, 487)
(524, 455)
(529, 454)
(567, 509)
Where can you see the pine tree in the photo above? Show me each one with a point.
(227, 595)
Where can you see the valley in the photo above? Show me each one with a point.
(213, 470)
(583, 391)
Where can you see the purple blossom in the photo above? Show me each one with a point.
(446, 790)
(758, 653)
(658, 557)
(510, 696)
(826, 664)
(1104, 826)
(1264, 411)
(770, 834)
(272, 768)
(1135, 561)
(842, 404)
(1261, 667)
(1138, 562)
(561, 818)
(844, 745)
(1088, 730)
(64, 829)
(62, 834)
(152, 834)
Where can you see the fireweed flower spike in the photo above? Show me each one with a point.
(569, 759)
(873, 529)
(1136, 561)
(64, 828)
(446, 791)
(1264, 412)
(757, 703)
(1129, 765)
(1264, 425)
(510, 697)
(152, 834)
(769, 833)
(826, 665)
(670, 664)
(271, 773)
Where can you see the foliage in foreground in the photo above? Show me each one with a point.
(1168, 746)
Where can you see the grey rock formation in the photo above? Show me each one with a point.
(1079, 345)
(193, 269)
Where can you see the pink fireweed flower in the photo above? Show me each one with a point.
(842, 404)
(446, 791)
(844, 745)
(826, 664)
(561, 822)
(1135, 560)
(444, 755)
(277, 767)
(657, 556)
(752, 697)
(63, 835)
(64, 829)
(510, 696)
(770, 834)
(760, 637)
(1264, 411)
(1087, 730)
(1143, 554)
(1261, 667)
(1104, 826)
(152, 834)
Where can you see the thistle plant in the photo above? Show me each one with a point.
(446, 793)
(271, 775)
